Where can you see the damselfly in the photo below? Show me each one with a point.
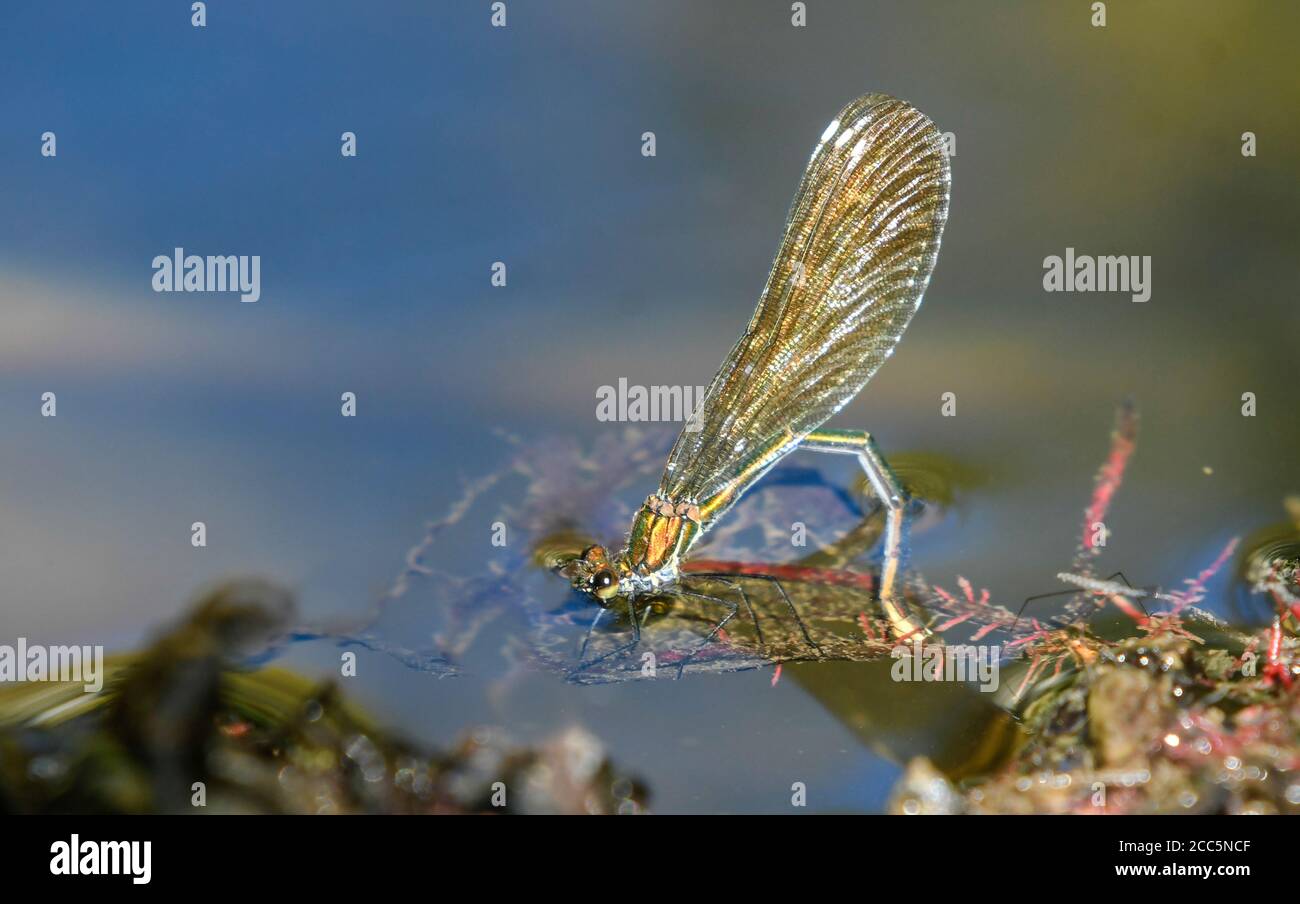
(860, 244)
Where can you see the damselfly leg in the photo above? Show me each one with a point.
(894, 498)
(729, 578)
(730, 581)
(732, 608)
(638, 622)
(617, 651)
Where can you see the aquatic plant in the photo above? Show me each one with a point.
(1162, 710)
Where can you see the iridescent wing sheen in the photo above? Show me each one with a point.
(860, 244)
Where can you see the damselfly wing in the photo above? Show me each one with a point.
(860, 244)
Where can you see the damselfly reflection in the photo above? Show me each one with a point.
(860, 244)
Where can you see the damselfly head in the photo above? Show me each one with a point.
(595, 574)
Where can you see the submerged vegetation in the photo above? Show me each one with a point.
(1172, 720)
(1169, 710)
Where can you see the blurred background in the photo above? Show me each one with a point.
(523, 144)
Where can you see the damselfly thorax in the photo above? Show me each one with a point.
(860, 244)
(662, 533)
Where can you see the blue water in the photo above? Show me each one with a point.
(522, 145)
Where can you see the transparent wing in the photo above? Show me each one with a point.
(860, 244)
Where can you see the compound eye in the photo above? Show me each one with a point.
(604, 584)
